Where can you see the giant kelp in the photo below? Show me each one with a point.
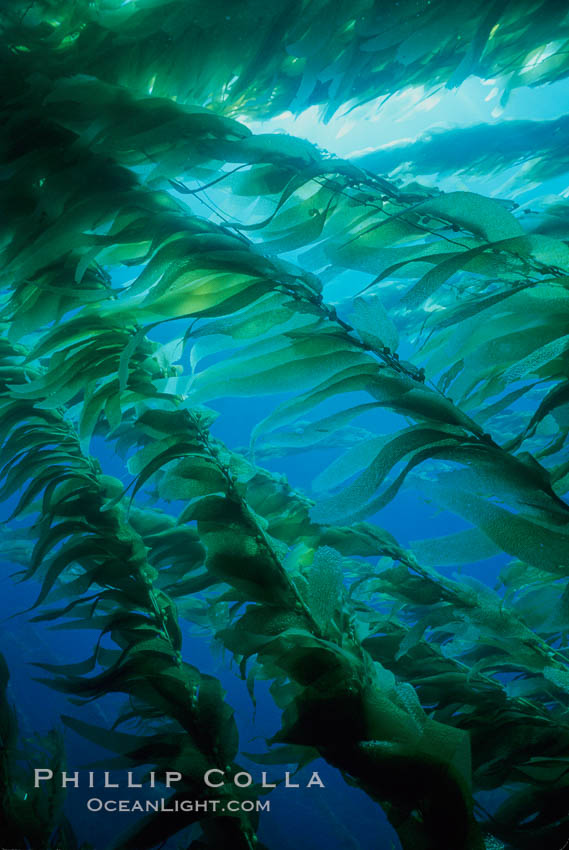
(298, 53)
(106, 178)
(188, 724)
(482, 148)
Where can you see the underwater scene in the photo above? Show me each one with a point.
(284, 405)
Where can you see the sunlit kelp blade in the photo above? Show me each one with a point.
(261, 59)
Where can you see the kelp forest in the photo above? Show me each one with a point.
(194, 309)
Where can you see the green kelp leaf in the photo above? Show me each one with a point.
(267, 315)
(45, 477)
(560, 678)
(74, 550)
(137, 126)
(355, 459)
(462, 547)
(28, 438)
(352, 379)
(270, 367)
(412, 638)
(46, 386)
(218, 730)
(262, 620)
(279, 241)
(423, 403)
(141, 667)
(321, 665)
(160, 423)
(191, 478)
(113, 410)
(361, 539)
(80, 668)
(226, 334)
(394, 390)
(430, 254)
(276, 147)
(118, 742)
(84, 604)
(230, 293)
(355, 255)
(259, 625)
(325, 586)
(559, 474)
(372, 322)
(176, 451)
(481, 215)
(353, 499)
(246, 568)
(50, 537)
(547, 770)
(287, 443)
(145, 455)
(484, 216)
(530, 318)
(444, 270)
(547, 250)
(80, 329)
(127, 354)
(533, 362)
(518, 480)
(306, 211)
(461, 312)
(434, 279)
(258, 182)
(210, 510)
(517, 574)
(94, 402)
(515, 534)
(242, 560)
(308, 434)
(241, 643)
(523, 483)
(503, 403)
(543, 606)
(199, 272)
(556, 397)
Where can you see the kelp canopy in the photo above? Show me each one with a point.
(158, 257)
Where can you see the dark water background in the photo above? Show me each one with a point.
(339, 817)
